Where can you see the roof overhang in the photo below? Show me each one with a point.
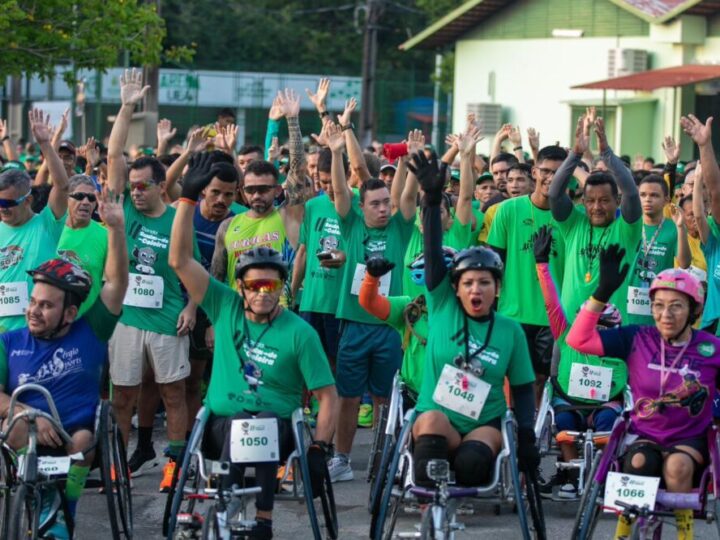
(647, 81)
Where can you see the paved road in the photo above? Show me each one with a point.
(290, 519)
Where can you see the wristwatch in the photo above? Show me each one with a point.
(348, 126)
(323, 114)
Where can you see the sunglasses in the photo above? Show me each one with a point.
(79, 196)
(11, 203)
(263, 285)
(140, 186)
(262, 190)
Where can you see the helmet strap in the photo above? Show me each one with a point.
(61, 325)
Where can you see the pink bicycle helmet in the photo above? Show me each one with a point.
(674, 279)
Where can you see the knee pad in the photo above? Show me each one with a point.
(427, 447)
(474, 463)
(653, 461)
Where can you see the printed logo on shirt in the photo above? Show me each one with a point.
(529, 245)
(375, 246)
(328, 243)
(489, 355)
(145, 259)
(70, 256)
(706, 348)
(10, 256)
(328, 225)
(646, 268)
(245, 244)
(259, 353)
(689, 394)
(63, 363)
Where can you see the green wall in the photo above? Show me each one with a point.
(537, 18)
(638, 126)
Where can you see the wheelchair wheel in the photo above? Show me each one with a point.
(115, 474)
(589, 510)
(211, 527)
(516, 484)
(325, 501)
(427, 524)
(7, 475)
(24, 522)
(376, 456)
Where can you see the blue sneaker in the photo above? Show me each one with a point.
(51, 505)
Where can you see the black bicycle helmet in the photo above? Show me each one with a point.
(64, 275)
(476, 258)
(260, 257)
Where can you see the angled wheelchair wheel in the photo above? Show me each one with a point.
(321, 509)
(24, 522)
(7, 476)
(115, 474)
(589, 509)
(533, 505)
(514, 470)
(211, 527)
(375, 457)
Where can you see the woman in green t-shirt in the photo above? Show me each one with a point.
(470, 352)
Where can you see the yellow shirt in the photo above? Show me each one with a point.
(487, 223)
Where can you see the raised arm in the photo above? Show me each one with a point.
(111, 212)
(298, 186)
(515, 137)
(273, 126)
(466, 144)
(698, 206)
(131, 93)
(534, 140)
(40, 127)
(542, 247)
(355, 154)
(370, 298)
(500, 137)
(561, 204)
(398, 183)
(684, 257)
(343, 195)
(197, 141)
(672, 154)
(408, 197)
(7, 142)
(319, 99)
(630, 207)
(702, 135)
(165, 133)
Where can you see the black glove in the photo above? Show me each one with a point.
(543, 244)
(377, 265)
(611, 275)
(430, 177)
(317, 463)
(527, 452)
(199, 174)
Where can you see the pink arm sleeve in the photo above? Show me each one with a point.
(556, 315)
(584, 336)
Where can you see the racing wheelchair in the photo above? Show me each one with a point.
(439, 520)
(25, 478)
(197, 481)
(609, 489)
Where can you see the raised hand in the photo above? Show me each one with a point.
(612, 275)
(3, 128)
(92, 153)
(700, 133)
(197, 141)
(542, 244)
(40, 126)
(678, 215)
(334, 137)
(601, 135)
(110, 209)
(318, 98)
(321, 139)
(451, 139)
(228, 137)
(591, 115)
(582, 136)
(131, 89)
(165, 131)
(415, 141)
(515, 136)
(671, 149)
(533, 138)
(276, 110)
(198, 176)
(466, 142)
(274, 150)
(377, 266)
(504, 132)
(429, 176)
(346, 117)
(289, 103)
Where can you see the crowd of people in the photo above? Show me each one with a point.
(266, 278)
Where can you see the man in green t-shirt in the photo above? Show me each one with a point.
(513, 231)
(585, 231)
(153, 330)
(663, 243)
(369, 352)
(84, 241)
(264, 354)
(28, 239)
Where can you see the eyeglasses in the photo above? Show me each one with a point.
(262, 285)
(261, 189)
(11, 203)
(545, 172)
(80, 195)
(140, 186)
(674, 309)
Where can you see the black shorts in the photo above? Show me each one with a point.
(540, 343)
(494, 423)
(198, 349)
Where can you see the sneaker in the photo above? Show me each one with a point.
(51, 505)
(168, 471)
(142, 461)
(365, 415)
(567, 491)
(339, 468)
(546, 488)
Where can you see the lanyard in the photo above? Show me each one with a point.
(465, 362)
(593, 254)
(647, 247)
(664, 376)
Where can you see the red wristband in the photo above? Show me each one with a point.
(186, 200)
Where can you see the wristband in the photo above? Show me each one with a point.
(188, 201)
(6, 138)
(348, 126)
(323, 114)
(517, 148)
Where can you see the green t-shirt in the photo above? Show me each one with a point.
(151, 282)
(514, 230)
(413, 362)
(21, 249)
(288, 358)
(582, 245)
(320, 231)
(661, 252)
(506, 355)
(458, 237)
(362, 241)
(86, 247)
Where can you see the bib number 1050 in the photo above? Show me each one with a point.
(254, 440)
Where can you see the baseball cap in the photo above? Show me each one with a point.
(67, 145)
(388, 166)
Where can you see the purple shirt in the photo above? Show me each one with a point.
(683, 409)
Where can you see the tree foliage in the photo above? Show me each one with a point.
(40, 34)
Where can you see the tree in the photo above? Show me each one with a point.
(38, 35)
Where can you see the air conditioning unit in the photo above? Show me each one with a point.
(488, 115)
(623, 62)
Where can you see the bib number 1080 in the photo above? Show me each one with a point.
(143, 292)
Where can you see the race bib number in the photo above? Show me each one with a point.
(461, 392)
(384, 288)
(144, 291)
(590, 382)
(630, 489)
(638, 301)
(53, 466)
(254, 440)
(14, 298)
